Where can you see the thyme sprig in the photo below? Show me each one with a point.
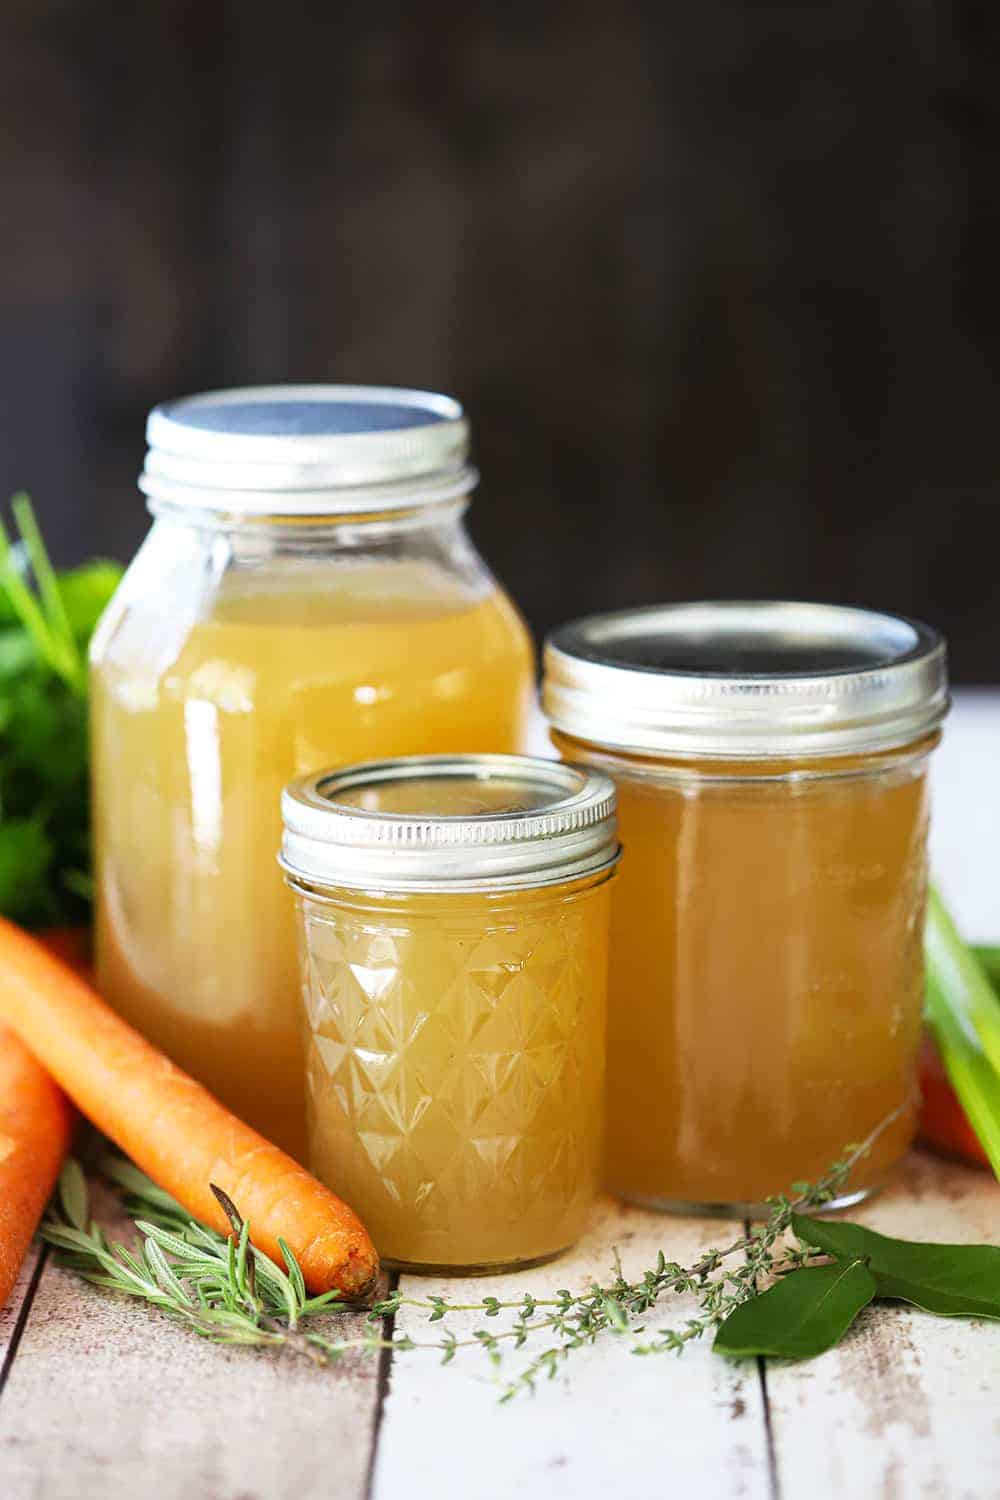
(227, 1291)
(721, 1280)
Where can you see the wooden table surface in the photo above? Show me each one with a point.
(103, 1398)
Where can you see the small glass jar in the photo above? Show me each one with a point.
(453, 925)
(766, 984)
(307, 596)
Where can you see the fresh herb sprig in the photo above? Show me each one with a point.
(46, 620)
(765, 1293)
(221, 1287)
(721, 1280)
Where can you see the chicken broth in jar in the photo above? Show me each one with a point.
(308, 596)
(766, 985)
(453, 916)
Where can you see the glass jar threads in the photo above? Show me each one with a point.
(307, 596)
(453, 924)
(766, 982)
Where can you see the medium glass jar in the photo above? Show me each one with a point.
(766, 983)
(307, 596)
(453, 917)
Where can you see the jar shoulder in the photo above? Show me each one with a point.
(185, 584)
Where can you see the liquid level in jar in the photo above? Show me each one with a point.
(455, 1065)
(195, 929)
(766, 978)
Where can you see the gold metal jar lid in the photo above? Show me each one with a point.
(748, 680)
(456, 822)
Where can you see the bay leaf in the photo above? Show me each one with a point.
(807, 1311)
(957, 1281)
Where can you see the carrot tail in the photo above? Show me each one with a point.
(172, 1127)
(35, 1125)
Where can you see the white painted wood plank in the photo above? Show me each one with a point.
(908, 1404)
(107, 1398)
(965, 816)
(610, 1425)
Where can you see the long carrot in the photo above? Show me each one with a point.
(35, 1125)
(172, 1127)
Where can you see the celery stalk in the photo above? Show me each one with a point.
(963, 1012)
(989, 962)
(962, 982)
(969, 1072)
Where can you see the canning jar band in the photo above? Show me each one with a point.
(746, 680)
(314, 527)
(456, 822)
(642, 765)
(347, 502)
(307, 449)
(500, 885)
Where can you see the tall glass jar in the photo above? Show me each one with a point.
(766, 983)
(454, 939)
(307, 596)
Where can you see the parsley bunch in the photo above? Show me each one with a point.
(46, 620)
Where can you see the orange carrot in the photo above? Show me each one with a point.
(173, 1128)
(71, 944)
(35, 1124)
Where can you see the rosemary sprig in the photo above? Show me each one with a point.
(229, 1292)
(220, 1287)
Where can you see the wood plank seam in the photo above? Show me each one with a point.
(773, 1480)
(773, 1474)
(385, 1359)
(445, 1435)
(903, 1406)
(7, 1364)
(204, 1436)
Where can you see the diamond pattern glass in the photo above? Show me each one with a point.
(455, 1067)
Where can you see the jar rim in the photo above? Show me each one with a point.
(307, 450)
(518, 822)
(746, 679)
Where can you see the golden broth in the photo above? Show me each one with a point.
(455, 1065)
(286, 672)
(766, 973)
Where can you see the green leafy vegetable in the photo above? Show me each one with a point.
(960, 978)
(956, 1281)
(804, 1313)
(989, 961)
(85, 593)
(963, 1013)
(46, 620)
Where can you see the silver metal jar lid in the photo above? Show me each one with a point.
(747, 680)
(512, 821)
(307, 450)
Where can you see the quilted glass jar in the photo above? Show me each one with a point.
(453, 926)
(766, 985)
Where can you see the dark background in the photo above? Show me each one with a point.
(716, 280)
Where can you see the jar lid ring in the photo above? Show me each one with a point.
(510, 821)
(746, 680)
